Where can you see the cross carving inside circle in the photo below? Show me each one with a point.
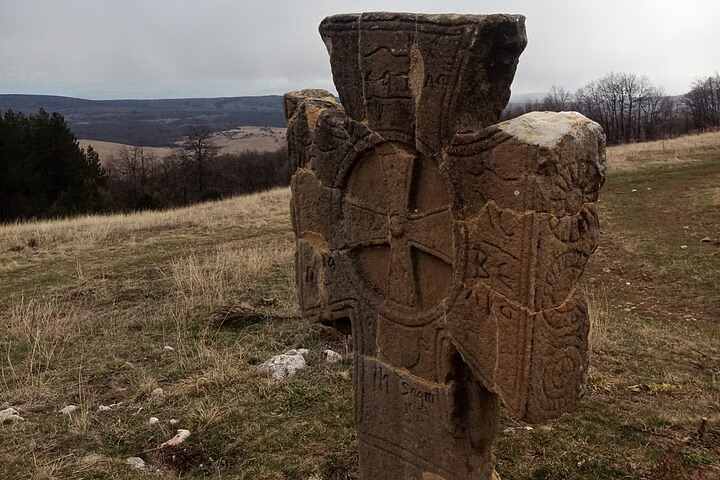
(400, 226)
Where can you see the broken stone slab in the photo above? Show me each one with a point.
(284, 365)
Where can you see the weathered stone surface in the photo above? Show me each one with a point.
(449, 247)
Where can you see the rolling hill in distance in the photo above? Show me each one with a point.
(163, 122)
(156, 123)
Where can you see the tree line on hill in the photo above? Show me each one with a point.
(631, 109)
(45, 173)
(194, 172)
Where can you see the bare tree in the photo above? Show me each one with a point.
(703, 102)
(629, 107)
(557, 100)
(198, 150)
(133, 169)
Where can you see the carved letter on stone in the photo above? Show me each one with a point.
(448, 245)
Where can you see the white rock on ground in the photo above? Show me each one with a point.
(10, 415)
(284, 365)
(173, 421)
(332, 356)
(179, 438)
(136, 462)
(153, 420)
(168, 348)
(68, 409)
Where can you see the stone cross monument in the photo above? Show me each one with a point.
(449, 246)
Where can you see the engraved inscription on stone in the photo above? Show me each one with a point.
(450, 246)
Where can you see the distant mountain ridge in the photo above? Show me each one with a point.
(156, 123)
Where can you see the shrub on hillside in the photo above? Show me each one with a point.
(43, 170)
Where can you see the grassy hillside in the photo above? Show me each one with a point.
(87, 307)
(157, 123)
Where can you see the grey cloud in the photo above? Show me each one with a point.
(174, 48)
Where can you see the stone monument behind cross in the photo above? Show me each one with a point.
(448, 245)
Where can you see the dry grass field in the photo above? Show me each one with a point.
(89, 305)
(684, 149)
(261, 139)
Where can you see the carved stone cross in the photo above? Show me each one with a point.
(450, 248)
(382, 201)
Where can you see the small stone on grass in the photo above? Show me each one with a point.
(179, 438)
(136, 462)
(10, 415)
(68, 409)
(332, 356)
(285, 365)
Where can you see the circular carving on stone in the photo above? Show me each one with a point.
(400, 231)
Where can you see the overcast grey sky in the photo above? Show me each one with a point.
(206, 48)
